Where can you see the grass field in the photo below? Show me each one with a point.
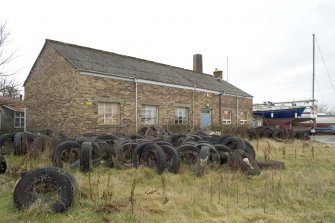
(302, 192)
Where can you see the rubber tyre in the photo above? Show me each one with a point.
(234, 143)
(250, 149)
(270, 164)
(109, 153)
(85, 157)
(151, 131)
(237, 163)
(222, 138)
(69, 146)
(278, 134)
(128, 150)
(188, 153)
(176, 139)
(162, 142)
(188, 147)
(24, 195)
(222, 148)
(141, 141)
(5, 137)
(203, 159)
(267, 132)
(107, 138)
(214, 139)
(224, 152)
(144, 152)
(39, 145)
(172, 161)
(97, 153)
(3, 164)
(214, 155)
(18, 143)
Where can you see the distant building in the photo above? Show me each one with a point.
(11, 115)
(77, 89)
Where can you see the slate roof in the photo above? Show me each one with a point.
(98, 61)
(12, 103)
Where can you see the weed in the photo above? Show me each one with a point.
(132, 194)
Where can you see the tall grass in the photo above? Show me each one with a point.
(303, 192)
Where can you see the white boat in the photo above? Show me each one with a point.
(323, 120)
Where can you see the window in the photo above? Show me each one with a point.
(181, 116)
(243, 117)
(226, 118)
(243, 122)
(109, 114)
(149, 115)
(19, 120)
(226, 121)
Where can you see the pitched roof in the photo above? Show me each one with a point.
(12, 103)
(98, 61)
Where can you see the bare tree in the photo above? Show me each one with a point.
(323, 108)
(5, 57)
(9, 87)
(332, 111)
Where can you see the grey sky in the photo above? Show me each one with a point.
(268, 43)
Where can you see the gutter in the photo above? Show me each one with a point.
(135, 80)
(237, 110)
(126, 78)
(220, 108)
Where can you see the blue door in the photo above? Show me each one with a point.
(205, 118)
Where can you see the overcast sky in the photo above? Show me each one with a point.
(268, 43)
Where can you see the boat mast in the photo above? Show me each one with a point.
(314, 110)
(313, 69)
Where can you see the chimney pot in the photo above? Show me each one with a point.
(217, 73)
(197, 63)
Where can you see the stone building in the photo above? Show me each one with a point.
(76, 89)
(11, 115)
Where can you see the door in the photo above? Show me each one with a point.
(205, 118)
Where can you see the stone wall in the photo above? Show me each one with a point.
(59, 97)
(51, 94)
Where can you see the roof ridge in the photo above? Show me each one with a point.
(122, 55)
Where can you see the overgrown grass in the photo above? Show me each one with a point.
(303, 192)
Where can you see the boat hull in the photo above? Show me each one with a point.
(280, 113)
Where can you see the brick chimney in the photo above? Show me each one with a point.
(218, 73)
(197, 63)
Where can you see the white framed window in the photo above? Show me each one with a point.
(109, 113)
(243, 117)
(243, 122)
(149, 115)
(18, 120)
(181, 115)
(226, 117)
(226, 121)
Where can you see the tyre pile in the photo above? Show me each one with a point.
(151, 147)
(158, 150)
(276, 134)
